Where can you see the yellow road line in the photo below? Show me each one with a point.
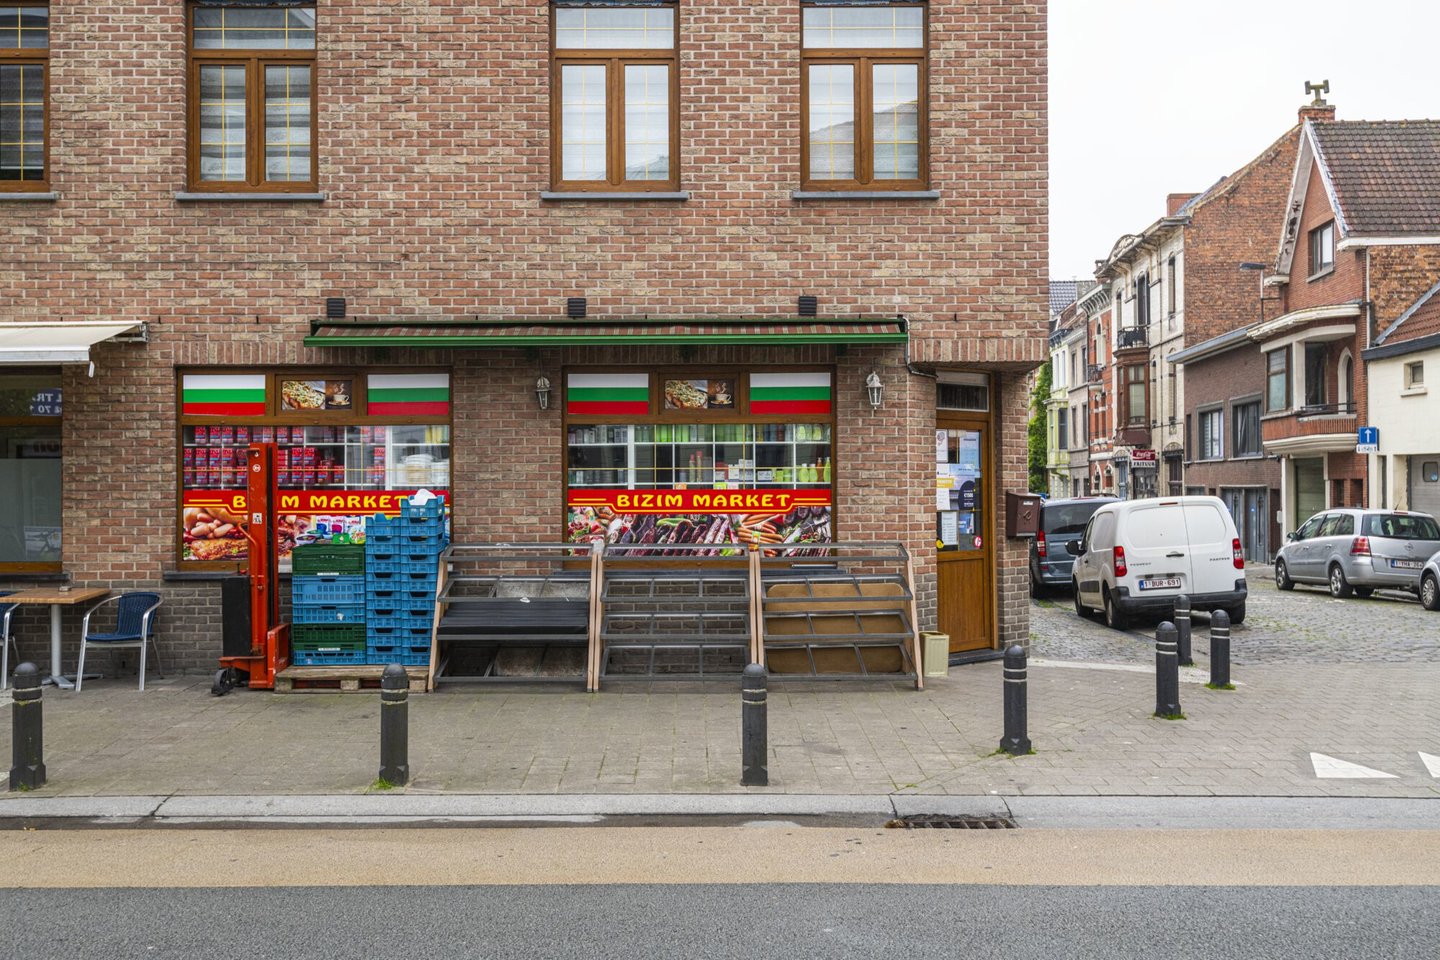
(609, 855)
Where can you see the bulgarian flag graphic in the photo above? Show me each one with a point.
(773, 394)
(409, 395)
(223, 395)
(608, 394)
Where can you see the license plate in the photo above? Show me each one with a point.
(1161, 583)
(1407, 564)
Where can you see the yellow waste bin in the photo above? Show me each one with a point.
(937, 653)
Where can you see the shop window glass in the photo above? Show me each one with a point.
(749, 478)
(30, 472)
(338, 461)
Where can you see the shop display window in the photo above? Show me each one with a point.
(338, 462)
(747, 478)
(30, 477)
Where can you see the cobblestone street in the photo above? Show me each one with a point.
(1305, 625)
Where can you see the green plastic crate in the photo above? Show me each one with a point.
(339, 558)
(327, 637)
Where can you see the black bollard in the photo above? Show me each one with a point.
(753, 732)
(395, 725)
(1167, 673)
(1220, 650)
(1016, 741)
(27, 731)
(1182, 630)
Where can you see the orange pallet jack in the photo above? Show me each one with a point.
(269, 638)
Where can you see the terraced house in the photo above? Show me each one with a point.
(539, 258)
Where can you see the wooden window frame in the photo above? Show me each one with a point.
(25, 567)
(1126, 382)
(615, 62)
(254, 61)
(32, 57)
(863, 61)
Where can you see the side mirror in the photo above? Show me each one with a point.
(1291, 536)
(1074, 548)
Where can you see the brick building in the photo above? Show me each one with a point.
(1358, 250)
(201, 177)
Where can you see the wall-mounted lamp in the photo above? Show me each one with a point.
(542, 393)
(874, 387)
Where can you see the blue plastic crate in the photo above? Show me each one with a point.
(327, 588)
(405, 656)
(385, 595)
(410, 636)
(400, 619)
(412, 610)
(432, 511)
(398, 536)
(378, 580)
(397, 555)
(327, 612)
(325, 658)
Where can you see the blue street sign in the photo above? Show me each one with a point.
(1368, 435)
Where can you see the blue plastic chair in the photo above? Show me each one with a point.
(134, 627)
(7, 642)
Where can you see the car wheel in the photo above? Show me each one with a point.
(1282, 577)
(1115, 619)
(1339, 586)
(1430, 592)
(1237, 614)
(1364, 592)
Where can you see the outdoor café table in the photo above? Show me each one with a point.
(57, 598)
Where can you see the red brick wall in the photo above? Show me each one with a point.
(1399, 276)
(1237, 374)
(1237, 224)
(1343, 284)
(434, 149)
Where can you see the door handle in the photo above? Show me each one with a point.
(1177, 553)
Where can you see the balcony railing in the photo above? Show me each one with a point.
(1131, 337)
(1094, 372)
(1325, 410)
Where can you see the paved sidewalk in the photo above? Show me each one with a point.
(1092, 729)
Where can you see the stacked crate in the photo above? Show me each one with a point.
(327, 605)
(402, 561)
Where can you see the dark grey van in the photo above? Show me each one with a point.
(1061, 521)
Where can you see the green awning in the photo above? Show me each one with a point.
(562, 333)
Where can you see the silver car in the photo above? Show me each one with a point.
(1430, 583)
(1358, 551)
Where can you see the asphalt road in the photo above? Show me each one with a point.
(781, 890)
(721, 922)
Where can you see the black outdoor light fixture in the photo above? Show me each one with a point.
(542, 392)
(874, 387)
(1260, 268)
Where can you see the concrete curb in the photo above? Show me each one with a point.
(1311, 813)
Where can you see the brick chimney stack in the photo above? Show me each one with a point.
(1318, 109)
(1174, 201)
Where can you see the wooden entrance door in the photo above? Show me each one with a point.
(964, 553)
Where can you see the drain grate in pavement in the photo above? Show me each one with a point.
(939, 822)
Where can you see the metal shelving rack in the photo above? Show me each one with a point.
(673, 614)
(852, 598)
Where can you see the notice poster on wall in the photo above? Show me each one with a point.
(212, 522)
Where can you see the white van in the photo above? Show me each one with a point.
(1137, 556)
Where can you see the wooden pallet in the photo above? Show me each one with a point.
(361, 678)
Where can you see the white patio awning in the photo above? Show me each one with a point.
(70, 342)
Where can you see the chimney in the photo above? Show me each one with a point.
(1318, 109)
(1175, 201)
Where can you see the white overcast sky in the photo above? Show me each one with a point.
(1149, 97)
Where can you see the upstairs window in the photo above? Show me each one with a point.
(252, 98)
(1322, 249)
(862, 97)
(1277, 380)
(1246, 442)
(24, 69)
(1212, 430)
(615, 81)
(1136, 396)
